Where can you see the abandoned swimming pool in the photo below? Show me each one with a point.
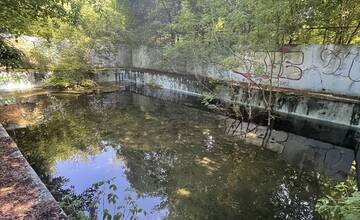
(157, 159)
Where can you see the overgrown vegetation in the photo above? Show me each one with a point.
(67, 37)
(223, 33)
(10, 56)
(342, 201)
(17, 18)
(203, 31)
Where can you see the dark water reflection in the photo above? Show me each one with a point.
(175, 160)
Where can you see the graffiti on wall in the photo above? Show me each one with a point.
(263, 65)
(289, 65)
(340, 63)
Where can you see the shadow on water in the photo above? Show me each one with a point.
(172, 157)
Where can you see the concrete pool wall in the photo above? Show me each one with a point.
(22, 193)
(312, 78)
(330, 69)
(313, 106)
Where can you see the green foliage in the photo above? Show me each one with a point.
(213, 84)
(10, 56)
(7, 101)
(58, 82)
(88, 83)
(129, 210)
(39, 59)
(16, 16)
(335, 22)
(100, 24)
(210, 98)
(347, 208)
(62, 83)
(73, 29)
(72, 64)
(9, 77)
(342, 201)
(224, 32)
(72, 204)
(150, 22)
(205, 30)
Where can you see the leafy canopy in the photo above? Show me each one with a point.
(16, 16)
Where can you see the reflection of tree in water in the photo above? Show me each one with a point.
(91, 202)
(221, 187)
(177, 153)
(172, 160)
(74, 205)
(59, 138)
(197, 184)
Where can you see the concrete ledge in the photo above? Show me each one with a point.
(22, 194)
(340, 111)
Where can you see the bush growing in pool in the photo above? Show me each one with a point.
(62, 83)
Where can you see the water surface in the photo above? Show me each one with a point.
(174, 161)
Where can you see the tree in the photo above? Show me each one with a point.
(16, 16)
(229, 34)
(151, 21)
(336, 22)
